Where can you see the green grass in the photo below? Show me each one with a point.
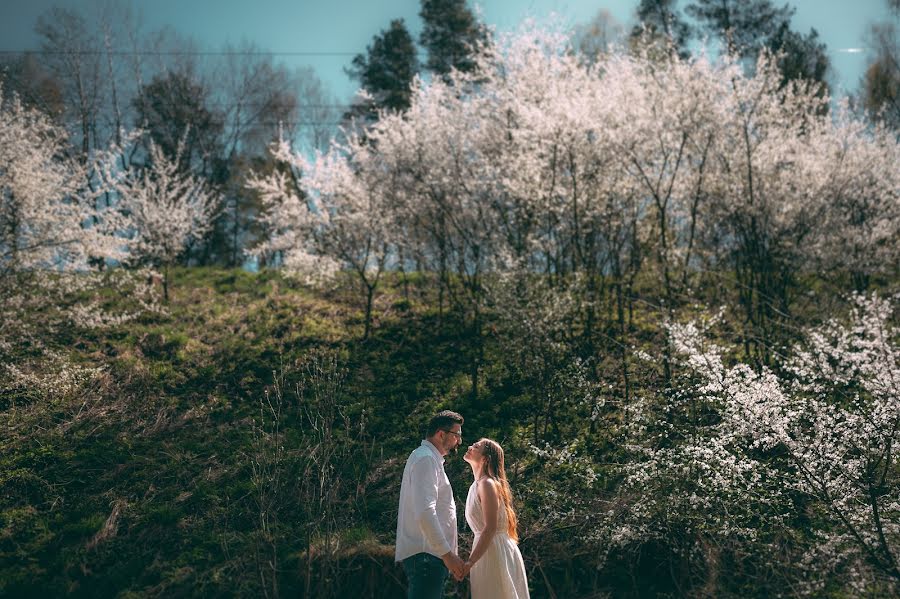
(167, 433)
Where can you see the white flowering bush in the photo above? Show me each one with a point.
(169, 209)
(806, 452)
(328, 214)
(51, 216)
(53, 377)
(64, 226)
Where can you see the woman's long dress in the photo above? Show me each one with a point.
(500, 572)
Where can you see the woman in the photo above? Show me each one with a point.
(495, 565)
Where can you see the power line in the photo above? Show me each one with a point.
(297, 123)
(172, 53)
(185, 53)
(228, 106)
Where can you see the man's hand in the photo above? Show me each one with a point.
(454, 564)
(465, 572)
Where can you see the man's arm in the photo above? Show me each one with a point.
(424, 499)
(424, 502)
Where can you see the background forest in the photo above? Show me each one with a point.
(665, 279)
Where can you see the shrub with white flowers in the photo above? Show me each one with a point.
(746, 452)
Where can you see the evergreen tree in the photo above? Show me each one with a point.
(802, 56)
(451, 35)
(743, 25)
(173, 109)
(746, 27)
(880, 87)
(595, 38)
(386, 71)
(658, 19)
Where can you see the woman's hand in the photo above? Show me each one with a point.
(464, 572)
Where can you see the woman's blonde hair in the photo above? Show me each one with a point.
(495, 468)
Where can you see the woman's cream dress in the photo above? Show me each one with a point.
(500, 572)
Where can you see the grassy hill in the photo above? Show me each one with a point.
(139, 480)
(248, 441)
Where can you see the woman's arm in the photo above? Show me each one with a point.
(490, 505)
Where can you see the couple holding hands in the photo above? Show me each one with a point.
(426, 520)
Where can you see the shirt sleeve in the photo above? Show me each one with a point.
(424, 503)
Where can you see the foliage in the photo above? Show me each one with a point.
(169, 207)
(173, 110)
(659, 19)
(535, 231)
(50, 217)
(880, 87)
(742, 451)
(743, 26)
(451, 34)
(386, 71)
(140, 450)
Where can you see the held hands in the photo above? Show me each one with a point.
(455, 565)
(465, 572)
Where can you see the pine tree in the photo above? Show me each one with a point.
(451, 36)
(802, 56)
(743, 25)
(746, 27)
(659, 19)
(386, 71)
(880, 86)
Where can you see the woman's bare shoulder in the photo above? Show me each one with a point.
(487, 484)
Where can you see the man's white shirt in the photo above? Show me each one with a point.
(426, 521)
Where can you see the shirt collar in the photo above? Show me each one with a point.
(430, 445)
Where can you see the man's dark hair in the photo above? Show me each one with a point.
(443, 421)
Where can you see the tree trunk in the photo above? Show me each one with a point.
(370, 294)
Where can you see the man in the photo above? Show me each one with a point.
(426, 520)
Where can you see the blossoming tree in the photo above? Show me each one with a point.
(818, 435)
(329, 213)
(49, 215)
(169, 209)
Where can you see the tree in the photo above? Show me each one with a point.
(356, 195)
(57, 238)
(588, 177)
(821, 434)
(49, 217)
(743, 25)
(256, 95)
(386, 71)
(747, 28)
(451, 35)
(169, 208)
(258, 98)
(73, 56)
(881, 82)
(317, 110)
(659, 20)
(25, 77)
(881, 90)
(291, 220)
(801, 57)
(97, 55)
(595, 38)
(862, 215)
(328, 214)
(174, 110)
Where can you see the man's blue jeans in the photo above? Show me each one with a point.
(426, 575)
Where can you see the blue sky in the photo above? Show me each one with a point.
(345, 27)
